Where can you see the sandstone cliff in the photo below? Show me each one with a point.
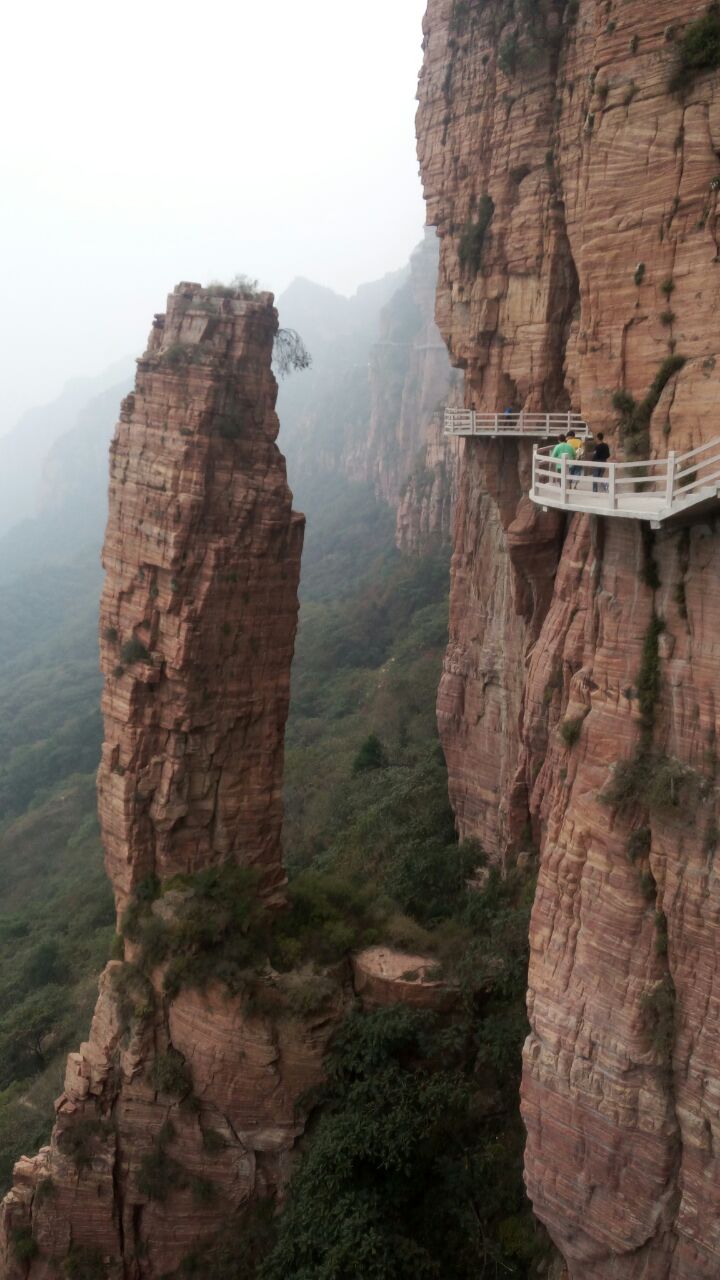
(181, 1106)
(575, 195)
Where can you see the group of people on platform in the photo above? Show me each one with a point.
(583, 451)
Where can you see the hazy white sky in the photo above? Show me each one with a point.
(146, 143)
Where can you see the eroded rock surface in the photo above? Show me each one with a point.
(576, 197)
(182, 1107)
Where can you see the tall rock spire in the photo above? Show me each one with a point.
(183, 1104)
(199, 608)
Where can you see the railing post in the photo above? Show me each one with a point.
(563, 479)
(521, 422)
(611, 486)
(495, 427)
(670, 478)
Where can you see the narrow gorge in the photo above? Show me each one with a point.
(570, 155)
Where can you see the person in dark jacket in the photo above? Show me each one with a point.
(601, 453)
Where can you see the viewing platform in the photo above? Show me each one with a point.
(468, 422)
(654, 489)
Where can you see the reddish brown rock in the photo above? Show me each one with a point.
(198, 620)
(384, 976)
(202, 554)
(593, 167)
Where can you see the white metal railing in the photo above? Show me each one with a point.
(652, 489)
(468, 422)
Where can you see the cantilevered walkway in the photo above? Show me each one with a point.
(467, 422)
(654, 489)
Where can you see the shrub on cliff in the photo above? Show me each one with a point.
(699, 49)
(218, 931)
(570, 730)
(134, 651)
(170, 1074)
(290, 354)
(24, 1244)
(82, 1137)
(84, 1264)
(472, 239)
(635, 418)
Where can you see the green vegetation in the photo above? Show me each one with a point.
(658, 781)
(84, 1264)
(649, 572)
(661, 933)
(570, 730)
(170, 1074)
(24, 1244)
(241, 283)
(651, 778)
(413, 1167)
(181, 353)
(160, 1174)
(508, 54)
(659, 1008)
(373, 855)
(408, 1174)
(699, 49)
(472, 239)
(648, 681)
(638, 843)
(56, 926)
(134, 651)
(634, 417)
(80, 1140)
(217, 931)
(372, 755)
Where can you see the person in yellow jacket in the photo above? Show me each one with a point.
(577, 445)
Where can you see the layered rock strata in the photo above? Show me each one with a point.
(182, 1105)
(575, 195)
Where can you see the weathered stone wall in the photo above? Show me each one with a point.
(198, 617)
(594, 167)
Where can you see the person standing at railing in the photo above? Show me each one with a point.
(563, 449)
(601, 453)
(577, 445)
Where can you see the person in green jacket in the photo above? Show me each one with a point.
(563, 449)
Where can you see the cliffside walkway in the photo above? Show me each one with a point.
(467, 422)
(654, 489)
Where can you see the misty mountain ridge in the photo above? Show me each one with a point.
(24, 449)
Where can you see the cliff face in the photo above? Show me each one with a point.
(181, 1106)
(575, 196)
(199, 609)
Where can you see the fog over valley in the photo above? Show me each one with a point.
(152, 145)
